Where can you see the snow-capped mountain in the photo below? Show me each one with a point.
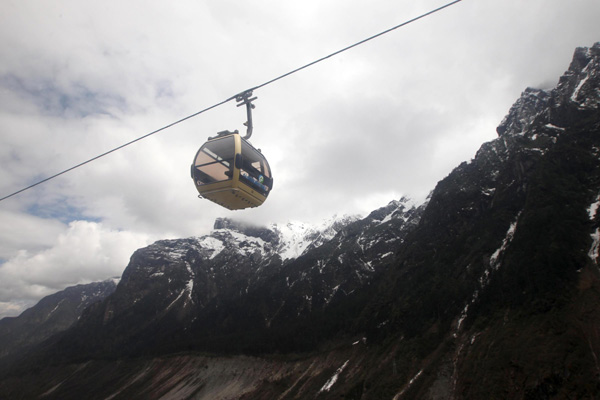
(488, 290)
(297, 237)
(287, 272)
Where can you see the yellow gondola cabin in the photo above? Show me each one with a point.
(229, 171)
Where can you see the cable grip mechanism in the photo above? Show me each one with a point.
(245, 98)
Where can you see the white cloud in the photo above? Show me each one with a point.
(22, 231)
(84, 252)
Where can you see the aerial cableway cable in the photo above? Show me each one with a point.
(115, 149)
(232, 98)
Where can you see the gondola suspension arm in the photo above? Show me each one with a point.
(245, 98)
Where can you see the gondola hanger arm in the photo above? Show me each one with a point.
(245, 98)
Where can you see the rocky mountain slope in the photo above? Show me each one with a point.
(501, 275)
(52, 314)
(490, 289)
(227, 290)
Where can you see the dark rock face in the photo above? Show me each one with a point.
(524, 112)
(53, 314)
(504, 260)
(489, 289)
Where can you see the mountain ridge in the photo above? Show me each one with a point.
(52, 314)
(202, 282)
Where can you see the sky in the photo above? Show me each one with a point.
(387, 119)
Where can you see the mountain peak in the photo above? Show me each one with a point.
(537, 109)
(299, 237)
(394, 209)
(246, 229)
(524, 112)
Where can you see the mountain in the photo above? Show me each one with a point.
(52, 314)
(500, 278)
(491, 288)
(202, 293)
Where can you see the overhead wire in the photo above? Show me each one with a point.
(233, 97)
(357, 44)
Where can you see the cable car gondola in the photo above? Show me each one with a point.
(229, 171)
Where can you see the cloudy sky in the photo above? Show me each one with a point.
(386, 119)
